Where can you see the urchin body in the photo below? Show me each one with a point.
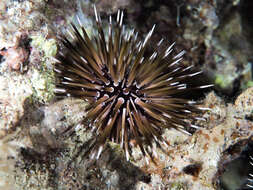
(131, 96)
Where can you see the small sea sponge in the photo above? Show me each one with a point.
(132, 96)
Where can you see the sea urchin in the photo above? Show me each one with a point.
(131, 96)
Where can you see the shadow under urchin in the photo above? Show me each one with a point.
(130, 96)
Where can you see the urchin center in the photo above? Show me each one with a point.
(120, 90)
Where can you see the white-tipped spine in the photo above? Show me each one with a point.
(206, 86)
(96, 14)
(99, 151)
(180, 54)
(148, 36)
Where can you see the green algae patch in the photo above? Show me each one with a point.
(42, 79)
(249, 84)
(177, 186)
(222, 81)
(48, 46)
(43, 85)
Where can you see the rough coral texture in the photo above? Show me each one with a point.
(43, 141)
(189, 162)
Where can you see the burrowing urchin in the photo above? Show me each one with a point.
(131, 96)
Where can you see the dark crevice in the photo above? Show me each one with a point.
(235, 167)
